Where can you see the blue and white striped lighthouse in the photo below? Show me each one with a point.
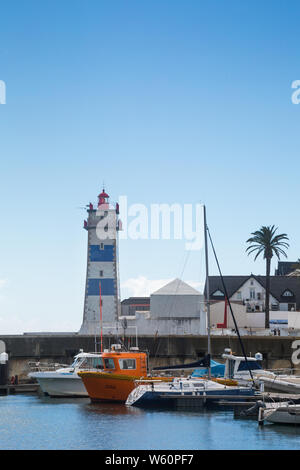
(102, 226)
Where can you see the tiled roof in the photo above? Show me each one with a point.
(278, 285)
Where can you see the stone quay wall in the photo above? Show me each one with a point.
(163, 350)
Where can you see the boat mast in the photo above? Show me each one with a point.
(207, 292)
(101, 325)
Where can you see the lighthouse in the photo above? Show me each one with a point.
(101, 302)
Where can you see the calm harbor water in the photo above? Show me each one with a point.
(42, 423)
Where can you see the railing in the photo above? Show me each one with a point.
(43, 367)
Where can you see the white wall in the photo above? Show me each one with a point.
(174, 327)
(242, 317)
(178, 306)
(293, 320)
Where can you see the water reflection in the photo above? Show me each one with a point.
(112, 409)
(63, 400)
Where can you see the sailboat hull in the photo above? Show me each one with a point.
(191, 399)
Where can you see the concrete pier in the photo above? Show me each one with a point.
(16, 389)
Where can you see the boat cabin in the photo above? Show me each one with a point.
(236, 367)
(114, 360)
(132, 362)
(87, 361)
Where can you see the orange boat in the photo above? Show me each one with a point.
(117, 376)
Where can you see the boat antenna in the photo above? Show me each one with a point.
(101, 323)
(231, 311)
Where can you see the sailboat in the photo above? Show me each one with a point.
(193, 391)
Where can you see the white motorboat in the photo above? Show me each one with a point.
(278, 382)
(186, 391)
(282, 412)
(64, 381)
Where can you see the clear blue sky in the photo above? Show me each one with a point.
(166, 101)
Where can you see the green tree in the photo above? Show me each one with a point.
(265, 242)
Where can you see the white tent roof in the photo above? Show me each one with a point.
(176, 287)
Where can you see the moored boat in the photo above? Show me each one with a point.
(65, 381)
(282, 412)
(117, 378)
(278, 382)
(186, 392)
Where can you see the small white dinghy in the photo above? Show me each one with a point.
(282, 412)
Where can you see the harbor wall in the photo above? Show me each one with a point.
(277, 351)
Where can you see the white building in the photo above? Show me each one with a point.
(247, 298)
(176, 309)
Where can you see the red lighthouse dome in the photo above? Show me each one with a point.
(103, 198)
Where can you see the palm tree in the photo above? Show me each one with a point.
(264, 241)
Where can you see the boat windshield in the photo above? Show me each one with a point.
(252, 365)
(109, 363)
(88, 363)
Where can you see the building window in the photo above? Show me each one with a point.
(218, 293)
(239, 295)
(101, 273)
(101, 246)
(288, 293)
(258, 295)
(252, 293)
